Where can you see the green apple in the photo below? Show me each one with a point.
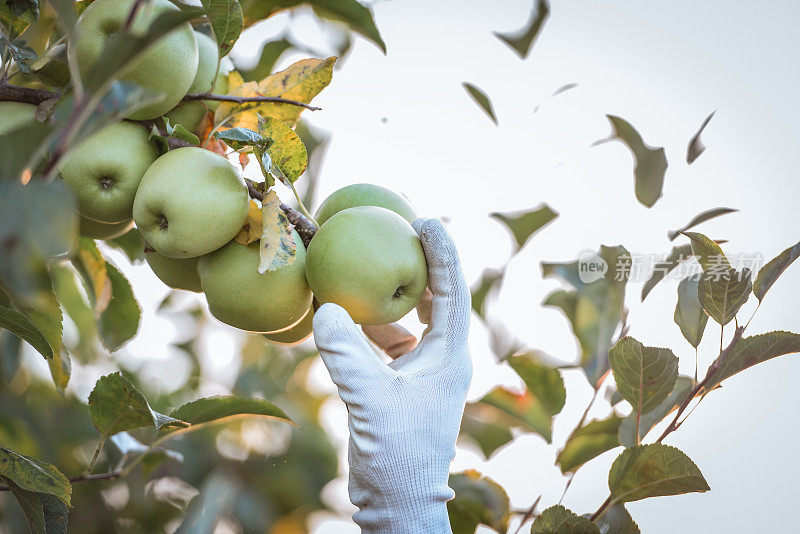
(177, 273)
(167, 67)
(369, 261)
(239, 296)
(190, 202)
(99, 230)
(104, 171)
(294, 334)
(365, 195)
(190, 114)
(14, 115)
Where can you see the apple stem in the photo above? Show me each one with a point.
(302, 206)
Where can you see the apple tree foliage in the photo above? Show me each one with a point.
(126, 454)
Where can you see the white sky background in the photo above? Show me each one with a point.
(663, 66)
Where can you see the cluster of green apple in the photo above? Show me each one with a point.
(190, 203)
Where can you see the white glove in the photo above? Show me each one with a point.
(404, 417)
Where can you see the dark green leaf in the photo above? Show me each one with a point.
(723, 292)
(354, 14)
(239, 138)
(34, 475)
(707, 251)
(559, 520)
(479, 500)
(521, 409)
(270, 53)
(30, 504)
(651, 163)
(17, 15)
(661, 269)
(37, 222)
(773, 269)
(179, 132)
(524, 224)
(700, 218)
(23, 54)
(627, 429)
(485, 290)
(644, 375)
(696, 146)
(689, 314)
(481, 99)
(223, 406)
(477, 425)
(116, 405)
(131, 243)
(653, 470)
(56, 514)
(617, 520)
(541, 380)
(119, 322)
(18, 324)
(226, 22)
(521, 41)
(752, 350)
(587, 442)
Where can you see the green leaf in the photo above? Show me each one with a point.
(37, 221)
(21, 326)
(651, 163)
(30, 504)
(354, 14)
(226, 22)
(522, 40)
(56, 514)
(179, 132)
(696, 146)
(286, 151)
(131, 243)
(23, 54)
(270, 53)
(92, 266)
(522, 409)
(47, 316)
(773, 269)
(70, 297)
(653, 470)
(700, 218)
(689, 314)
(17, 15)
(479, 500)
(559, 520)
(524, 224)
(542, 381)
(723, 293)
(481, 99)
(627, 429)
(34, 475)
(119, 322)
(239, 138)
(644, 375)
(617, 520)
(485, 290)
(749, 351)
(708, 252)
(224, 406)
(115, 405)
(479, 426)
(661, 269)
(588, 442)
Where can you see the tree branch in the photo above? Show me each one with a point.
(304, 227)
(17, 93)
(86, 478)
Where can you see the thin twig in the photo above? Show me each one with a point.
(528, 513)
(26, 95)
(248, 99)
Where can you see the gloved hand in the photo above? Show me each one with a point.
(404, 417)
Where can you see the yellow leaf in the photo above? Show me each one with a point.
(301, 82)
(287, 151)
(251, 231)
(277, 248)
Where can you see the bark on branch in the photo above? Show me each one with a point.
(304, 227)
